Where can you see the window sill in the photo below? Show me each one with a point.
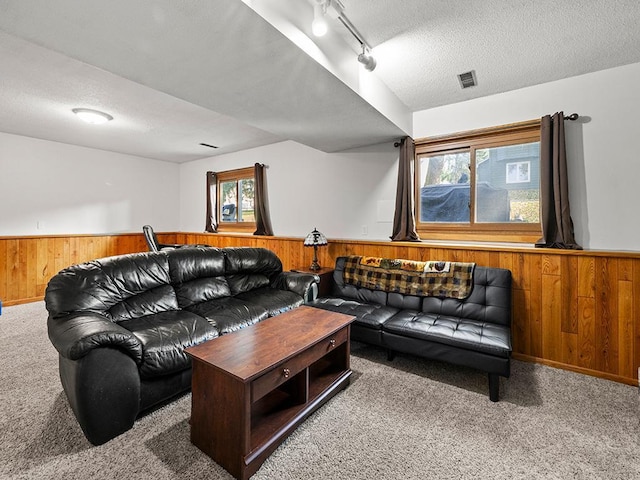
(478, 243)
(499, 237)
(248, 228)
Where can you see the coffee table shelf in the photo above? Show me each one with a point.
(253, 387)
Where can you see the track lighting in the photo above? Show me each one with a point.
(335, 9)
(319, 25)
(367, 60)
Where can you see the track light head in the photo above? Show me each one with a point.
(367, 60)
(319, 25)
(335, 8)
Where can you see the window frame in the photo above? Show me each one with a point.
(499, 136)
(226, 176)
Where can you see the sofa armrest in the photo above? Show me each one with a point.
(304, 284)
(76, 335)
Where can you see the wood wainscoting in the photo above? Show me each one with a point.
(28, 263)
(577, 310)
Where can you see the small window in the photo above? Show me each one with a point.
(518, 172)
(482, 185)
(236, 191)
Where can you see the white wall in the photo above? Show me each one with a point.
(79, 190)
(55, 188)
(342, 194)
(602, 147)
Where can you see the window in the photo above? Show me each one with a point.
(236, 190)
(518, 172)
(482, 185)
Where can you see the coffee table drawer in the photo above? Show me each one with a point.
(287, 370)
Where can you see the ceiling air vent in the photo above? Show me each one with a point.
(207, 145)
(468, 79)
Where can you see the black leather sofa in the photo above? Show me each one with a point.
(121, 324)
(474, 331)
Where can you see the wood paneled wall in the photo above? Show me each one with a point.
(27, 263)
(577, 310)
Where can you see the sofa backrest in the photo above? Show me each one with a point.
(197, 274)
(345, 290)
(490, 298)
(248, 268)
(120, 287)
(139, 284)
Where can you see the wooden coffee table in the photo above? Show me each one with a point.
(253, 387)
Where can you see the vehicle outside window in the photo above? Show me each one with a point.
(236, 190)
(480, 184)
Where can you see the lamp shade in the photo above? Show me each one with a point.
(315, 239)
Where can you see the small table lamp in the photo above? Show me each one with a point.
(315, 239)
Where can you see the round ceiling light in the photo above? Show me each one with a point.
(94, 117)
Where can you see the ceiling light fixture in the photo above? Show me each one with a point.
(319, 25)
(319, 28)
(94, 117)
(367, 60)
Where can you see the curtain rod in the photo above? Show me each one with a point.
(572, 117)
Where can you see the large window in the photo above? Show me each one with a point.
(236, 191)
(482, 185)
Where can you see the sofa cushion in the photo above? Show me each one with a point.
(250, 260)
(490, 299)
(371, 315)
(455, 331)
(404, 302)
(120, 287)
(246, 281)
(344, 290)
(155, 300)
(229, 314)
(272, 300)
(192, 263)
(201, 290)
(197, 275)
(164, 336)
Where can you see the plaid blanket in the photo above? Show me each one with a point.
(440, 279)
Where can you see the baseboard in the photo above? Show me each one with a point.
(573, 368)
(9, 303)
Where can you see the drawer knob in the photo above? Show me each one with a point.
(286, 372)
(332, 343)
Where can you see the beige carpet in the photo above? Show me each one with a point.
(406, 419)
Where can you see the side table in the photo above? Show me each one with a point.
(326, 279)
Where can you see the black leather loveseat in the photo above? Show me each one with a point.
(474, 331)
(121, 324)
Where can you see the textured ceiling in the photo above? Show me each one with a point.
(422, 45)
(174, 74)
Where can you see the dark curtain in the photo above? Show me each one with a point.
(404, 222)
(557, 226)
(211, 224)
(263, 220)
